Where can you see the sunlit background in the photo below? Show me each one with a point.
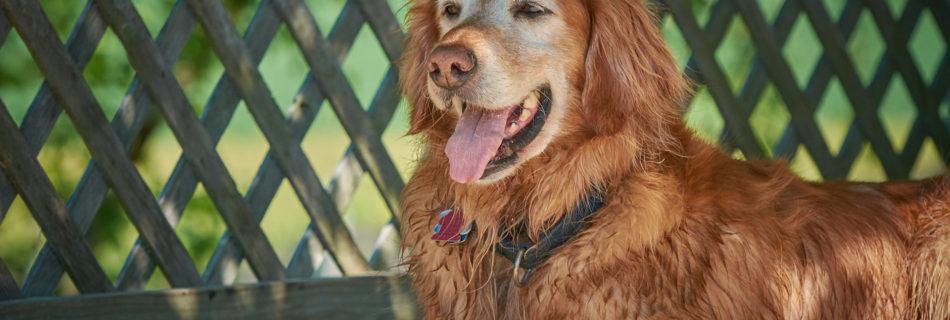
(243, 147)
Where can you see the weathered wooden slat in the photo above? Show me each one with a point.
(222, 268)
(818, 84)
(897, 44)
(941, 9)
(715, 79)
(127, 123)
(293, 162)
(915, 140)
(346, 177)
(378, 297)
(823, 73)
(215, 117)
(347, 26)
(330, 78)
(941, 87)
(7, 192)
(196, 145)
(853, 144)
(43, 111)
(46, 272)
(854, 140)
(8, 287)
(715, 30)
(757, 80)
(224, 263)
(717, 25)
(74, 95)
(4, 29)
(723, 12)
(346, 106)
(308, 256)
(783, 79)
(865, 115)
(387, 252)
(384, 25)
(941, 81)
(47, 208)
(719, 19)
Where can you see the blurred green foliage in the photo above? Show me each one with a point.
(109, 74)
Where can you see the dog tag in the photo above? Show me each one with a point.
(449, 228)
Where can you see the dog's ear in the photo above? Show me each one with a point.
(631, 78)
(423, 35)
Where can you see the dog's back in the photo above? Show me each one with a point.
(928, 202)
(773, 244)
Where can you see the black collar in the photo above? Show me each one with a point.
(570, 225)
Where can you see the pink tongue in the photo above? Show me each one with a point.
(476, 139)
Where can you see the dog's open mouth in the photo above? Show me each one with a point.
(487, 141)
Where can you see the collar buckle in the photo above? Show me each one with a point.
(530, 255)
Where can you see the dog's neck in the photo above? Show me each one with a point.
(527, 254)
(538, 195)
(546, 188)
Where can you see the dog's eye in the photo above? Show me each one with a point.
(530, 10)
(451, 10)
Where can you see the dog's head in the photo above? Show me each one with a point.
(501, 80)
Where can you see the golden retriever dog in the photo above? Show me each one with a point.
(552, 127)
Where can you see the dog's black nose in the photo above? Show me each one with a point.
(450, 65)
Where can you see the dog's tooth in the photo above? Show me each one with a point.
(513, 128)
(531, 103)
(456, 101)
(525, 115)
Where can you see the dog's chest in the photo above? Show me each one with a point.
(573, 285)
(565, 298)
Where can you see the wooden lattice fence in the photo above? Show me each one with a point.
(281, 291)
(771, 66)
(65, 224)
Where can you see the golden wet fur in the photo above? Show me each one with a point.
(686, 232)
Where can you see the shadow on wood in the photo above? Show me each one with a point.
(373, 297)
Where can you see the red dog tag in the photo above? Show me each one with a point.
(449, 227)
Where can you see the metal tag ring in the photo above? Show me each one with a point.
(519, 281)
